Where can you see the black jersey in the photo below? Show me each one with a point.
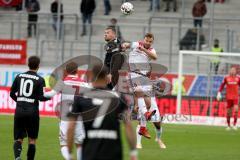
(100, 111)
(26, 91)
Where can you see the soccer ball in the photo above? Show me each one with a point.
(127, 8)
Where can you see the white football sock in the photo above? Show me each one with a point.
(142, 110)
(79, 153)
(139, 137)
(65, 152)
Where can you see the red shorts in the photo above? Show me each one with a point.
(231, 102)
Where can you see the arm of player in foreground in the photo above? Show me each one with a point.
(70, 134)
(130, 135)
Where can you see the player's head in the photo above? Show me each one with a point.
(233, 71)
(71, 68)
(110, 33)
(216, 43)
(99, 75)
(33, 62)
(148, 40)
(113, 21)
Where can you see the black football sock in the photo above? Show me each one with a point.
(17, 147)
(31, 152)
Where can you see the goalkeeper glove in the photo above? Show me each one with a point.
(219, 96)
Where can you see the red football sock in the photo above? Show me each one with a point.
(228, 120)
(235, 119)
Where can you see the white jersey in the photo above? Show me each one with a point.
(138, 56)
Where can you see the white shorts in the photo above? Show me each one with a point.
(142, 109)
(139, 82)
(78, 136)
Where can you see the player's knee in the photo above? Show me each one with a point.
(157, 125)
(31, 141)
(19, 141)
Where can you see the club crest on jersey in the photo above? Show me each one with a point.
(7, 1)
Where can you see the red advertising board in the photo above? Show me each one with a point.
(195, 106)
(10, 3)
(7, 105)
(13, 51)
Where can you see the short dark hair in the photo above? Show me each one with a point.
(149, 35)
(33, 62)
(111, 28)
(99, 72)
(71, 68)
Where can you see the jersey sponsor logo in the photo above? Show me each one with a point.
(99, 134)
(29, 76)
(24, 99)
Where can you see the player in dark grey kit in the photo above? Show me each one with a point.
(27, 91)
(101, 110)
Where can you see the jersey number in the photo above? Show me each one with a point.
(23, 87)
(101, 113)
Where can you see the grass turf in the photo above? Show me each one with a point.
(183, 142)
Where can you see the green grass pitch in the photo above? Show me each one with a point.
(183, 142)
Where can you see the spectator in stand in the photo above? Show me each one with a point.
(189, 41)
(107, 6)
(54, 11)
(156, 5)
(32, 7)
(199, 10)
(87, 8)
(114, 25)
(218, 1)
(174, 4)
(215, 61)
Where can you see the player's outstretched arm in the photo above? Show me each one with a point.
(130, 135)
(40, 93)
(50, 94)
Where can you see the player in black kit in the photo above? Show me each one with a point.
(27, 91)
(101, 110)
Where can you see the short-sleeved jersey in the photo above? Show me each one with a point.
(137, 56)
(27, 90)
(232, 85)
(100, 111)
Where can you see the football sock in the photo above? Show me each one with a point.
(138, 136)
(65, 152)
(228, 120)
(159, 133)
(142, 110)
(235, 119)
(31, 152)
(79, 153)
(17, 147)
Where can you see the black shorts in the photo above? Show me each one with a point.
(26, 126)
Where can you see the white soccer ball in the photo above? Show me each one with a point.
(127, 8)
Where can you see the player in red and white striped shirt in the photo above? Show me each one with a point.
(70, 86)
(232, 82)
